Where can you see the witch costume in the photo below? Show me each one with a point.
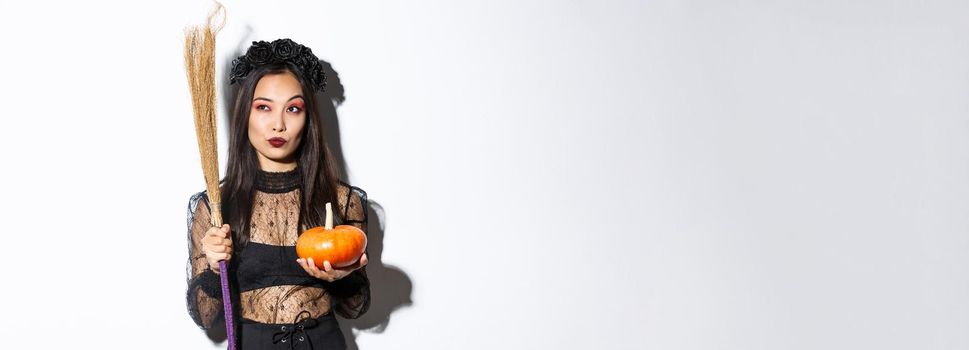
(279, 304)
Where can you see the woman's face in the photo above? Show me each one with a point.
(276, 121)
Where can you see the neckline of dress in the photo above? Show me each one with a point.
(278, 182)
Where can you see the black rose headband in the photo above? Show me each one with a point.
(279, 51)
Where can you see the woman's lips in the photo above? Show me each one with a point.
(277, 142)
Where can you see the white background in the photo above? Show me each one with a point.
(572, 174)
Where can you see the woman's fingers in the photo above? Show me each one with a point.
(217, 240)
(310, 264)
(306, 265)
(217, 246)
(328, 272)
(214, 258)
(324, 274)
(218, 235)
(221, 246)
(218, 231)
(311, 268)
(226, 233)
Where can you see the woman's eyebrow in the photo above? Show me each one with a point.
(267, 99)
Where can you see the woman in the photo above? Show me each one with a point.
(279, 176)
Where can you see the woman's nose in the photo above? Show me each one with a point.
(279, 124)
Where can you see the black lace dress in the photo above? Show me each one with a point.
(270, 290)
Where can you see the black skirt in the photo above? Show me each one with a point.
(321, 333)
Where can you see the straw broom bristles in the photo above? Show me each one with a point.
(200, 67)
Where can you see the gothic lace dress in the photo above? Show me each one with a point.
(268, 285)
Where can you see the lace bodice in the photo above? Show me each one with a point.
(268, 284)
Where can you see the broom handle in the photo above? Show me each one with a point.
(227, 303)
(224, 271)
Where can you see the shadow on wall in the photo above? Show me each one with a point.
(390, 288)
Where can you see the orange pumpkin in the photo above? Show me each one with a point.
(342, 246)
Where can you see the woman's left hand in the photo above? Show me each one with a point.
(329, 273)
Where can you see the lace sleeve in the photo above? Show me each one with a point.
(204, 295)
(352, 293)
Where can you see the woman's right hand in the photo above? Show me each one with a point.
(217, 245)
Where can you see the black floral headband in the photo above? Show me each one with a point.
(279, 51)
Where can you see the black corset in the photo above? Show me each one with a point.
(264, 265)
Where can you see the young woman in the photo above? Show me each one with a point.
(279, 176)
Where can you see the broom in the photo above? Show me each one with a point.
(200, 68)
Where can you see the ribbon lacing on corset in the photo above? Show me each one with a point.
(295, 333)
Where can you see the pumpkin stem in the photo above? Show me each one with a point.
(329, 216)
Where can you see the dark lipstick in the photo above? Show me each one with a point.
(277, 142)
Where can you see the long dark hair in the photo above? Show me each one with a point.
(314, 160)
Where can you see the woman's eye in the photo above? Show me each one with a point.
(295, 109)
(262, 107)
